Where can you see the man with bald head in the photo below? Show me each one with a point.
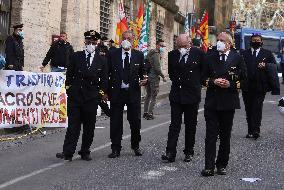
(185, 68)
(224, 74)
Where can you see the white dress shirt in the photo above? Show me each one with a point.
(257, 51)
(123, 85)
(92, 56)
(185, 57)
(226, 55)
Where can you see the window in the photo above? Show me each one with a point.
(105, 17)
(4, 22)
(159, 31)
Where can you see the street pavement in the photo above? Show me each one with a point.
(31, 163)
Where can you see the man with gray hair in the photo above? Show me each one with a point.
(185, 68)
(224, 74)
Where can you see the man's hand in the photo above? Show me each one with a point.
(223, 83)
(41, 68)
(164, 79)
(105, 97)
(261, 65)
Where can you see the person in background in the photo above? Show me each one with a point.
(14, 50)
(59, 54)
(152, 87)
(262, 78)
(2, 62)
(282, 64)
(111, 45)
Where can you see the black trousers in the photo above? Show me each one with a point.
(80, 112)
(116, 121)
(218, 123)
(190, 120)
(253, 105)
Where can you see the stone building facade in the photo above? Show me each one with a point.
(44, 18)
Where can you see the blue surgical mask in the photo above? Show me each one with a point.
(21, 34)
(162, 49)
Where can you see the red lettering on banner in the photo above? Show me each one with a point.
(6, 98)
(38, 99)
(20, 98)
(2, 100)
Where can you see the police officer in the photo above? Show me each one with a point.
(185, 67)
(224, 74)
(15, 49)
(86, 80)
(261, 79)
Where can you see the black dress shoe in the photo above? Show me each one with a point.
(188, 157)
(256, 136)
(62, 156)
(145, 115)
(169, 157)
(221, 171)
(207, 173)
(137, 152)
(114, 154)
(249, 136)
(86, 157)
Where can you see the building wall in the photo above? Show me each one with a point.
(44, 18)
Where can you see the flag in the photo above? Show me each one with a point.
(137, 26)
(121, 25)
(186, 24)
(144, 38)
(204, 31)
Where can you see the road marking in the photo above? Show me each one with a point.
(37, 172)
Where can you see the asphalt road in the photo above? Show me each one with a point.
(31, 163)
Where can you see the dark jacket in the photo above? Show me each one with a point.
(186, 78)
(59, 54)
(233, 70)
(85, 84)
(137, 71)
(14, 53)
(264, 80)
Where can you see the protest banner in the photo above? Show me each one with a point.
(36, 99)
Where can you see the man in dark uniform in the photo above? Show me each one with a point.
(15, 49)
(86, 80)
(59, 53)
(111, 45)
(224, 74)
(127, 75)
(184, 66)
(259, 63)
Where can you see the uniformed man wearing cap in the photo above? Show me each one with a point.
(15, 49)
(86, 81)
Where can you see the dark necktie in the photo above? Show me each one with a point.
(252, 67)
(182, 61)
(126, 69)
(223, 58)
(89, 61)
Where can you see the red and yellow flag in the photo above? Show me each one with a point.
(204, 31)
(121, 25)
(137, 26)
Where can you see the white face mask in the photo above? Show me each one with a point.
(90, 48)
(221, 46)
(106, 44)
(184, 51)
(125, 44)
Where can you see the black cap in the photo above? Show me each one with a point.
(92, 35)
(18, 26)
(111, 41)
